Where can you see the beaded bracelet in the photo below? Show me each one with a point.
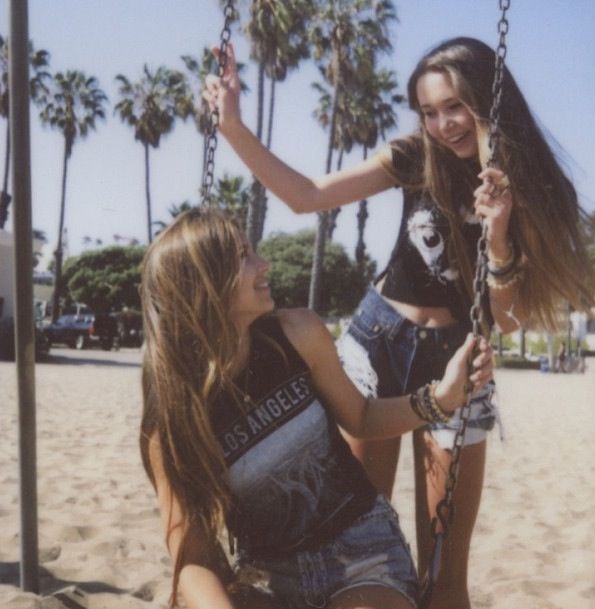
(418, 408)
(439, 412)
(502, 262)
(503, 271)
(425, 405)
(499, 267)
(501, 283)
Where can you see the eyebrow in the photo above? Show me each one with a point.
(444, 101)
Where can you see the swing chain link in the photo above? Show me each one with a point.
(494, 134)
(445, 507)
(209, 168)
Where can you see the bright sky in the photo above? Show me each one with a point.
(551, 54)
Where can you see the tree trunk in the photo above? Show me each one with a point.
(569, 332)
(551, 354)
(522, 347)
(5, 198)
(332, 223)
(205, 146)
(263, 197)
(362, 216)
(148, 193)
(254, 207)
(271, 113)
(323, 218)
(58, 253)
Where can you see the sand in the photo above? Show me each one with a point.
(99, 528)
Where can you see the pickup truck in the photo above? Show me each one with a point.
(83, 331)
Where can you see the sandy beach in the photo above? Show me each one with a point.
(534, 546)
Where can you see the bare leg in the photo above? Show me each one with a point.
(431, 468)
(370, 597)
(379, 459)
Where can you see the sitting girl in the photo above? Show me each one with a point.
(239, 430)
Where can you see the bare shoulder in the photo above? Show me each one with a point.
(306, 331)
(300, 324)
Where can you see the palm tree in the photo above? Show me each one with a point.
(343, 130)
(174, 210)
(278, 33)
(197, 71)
(231, 194)
(365, 109)
(377, 115)
(37, 85)
(151, 106)
(341, 29)
(72, 105)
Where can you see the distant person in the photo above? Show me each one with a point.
(561, 359)
(582, 362)
(416, 314)
(241, 405)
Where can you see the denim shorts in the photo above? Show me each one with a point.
(371, 551)
(385, 354)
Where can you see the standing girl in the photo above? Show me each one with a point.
(416, 314)
(239, 427)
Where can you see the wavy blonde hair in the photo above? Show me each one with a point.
(188, 279)
(546, 218)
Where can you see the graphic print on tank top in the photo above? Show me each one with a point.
(282, 483)
(289, 469)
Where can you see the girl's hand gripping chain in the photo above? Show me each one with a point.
(472, 364)
(223, 93)
(493, 203)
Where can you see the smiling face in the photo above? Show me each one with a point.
(252, 294)
(446, 118)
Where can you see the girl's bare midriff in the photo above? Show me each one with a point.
(429, 317)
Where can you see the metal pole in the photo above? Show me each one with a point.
(24, 325)
(569, 331)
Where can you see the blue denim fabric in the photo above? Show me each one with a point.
(371, 551)
(404, 357)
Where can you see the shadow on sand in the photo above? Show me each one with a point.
(85, 361)
(48, 583)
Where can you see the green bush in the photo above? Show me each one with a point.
(343, 283)
(105, 279)
(518, 363)
(508, 342)
(539, 346)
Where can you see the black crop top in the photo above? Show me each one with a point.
(419, 271)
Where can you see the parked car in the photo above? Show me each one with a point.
(83, 331)
(7, 345)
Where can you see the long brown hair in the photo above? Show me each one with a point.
(546, 217)
(188, 278)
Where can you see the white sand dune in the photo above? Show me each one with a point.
(99, 528)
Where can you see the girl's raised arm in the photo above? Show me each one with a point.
(302, 194)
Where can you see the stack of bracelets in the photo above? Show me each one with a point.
(503, 273)
(425, 405)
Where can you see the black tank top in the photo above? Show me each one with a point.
(293, 478)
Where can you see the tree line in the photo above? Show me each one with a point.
(108, 279)
(357, 104)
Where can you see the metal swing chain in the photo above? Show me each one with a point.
(445, 508)
(209, 168)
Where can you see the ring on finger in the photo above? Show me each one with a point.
(494, 191)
